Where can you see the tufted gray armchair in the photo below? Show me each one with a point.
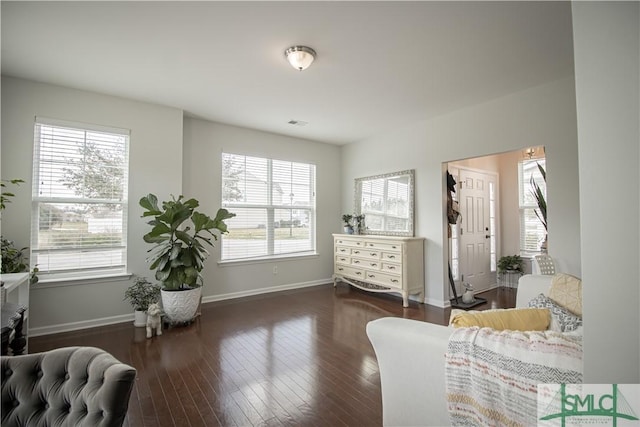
(73, 386)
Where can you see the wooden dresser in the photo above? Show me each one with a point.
(380, 263)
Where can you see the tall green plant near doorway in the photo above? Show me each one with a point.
(538, 194)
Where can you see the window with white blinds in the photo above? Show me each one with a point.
(79, 209)
(275, 206)
(532, 232)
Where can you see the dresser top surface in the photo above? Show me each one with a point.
(375, 237)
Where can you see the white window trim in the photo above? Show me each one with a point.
(88, 275)
(523, 184)
(271, 256)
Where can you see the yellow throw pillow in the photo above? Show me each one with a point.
(516, 319)
(566, 290)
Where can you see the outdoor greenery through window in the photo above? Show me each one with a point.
(79, 216)
(275, 206)
(532, 232)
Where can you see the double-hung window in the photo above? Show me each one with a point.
(532, 231)
(275, 206)
(79, 205)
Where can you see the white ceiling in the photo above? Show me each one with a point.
(379, 64)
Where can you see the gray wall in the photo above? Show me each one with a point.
(155, 157)
(164, 159)
(204, 142)
(606, 49)
(543, 115)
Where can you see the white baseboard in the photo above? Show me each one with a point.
(251, 292)
(437, 302)
(85, 324)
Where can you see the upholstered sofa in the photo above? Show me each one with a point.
(411, 358)
(72, 386)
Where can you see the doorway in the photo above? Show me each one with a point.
(488, 193)
(475, 236)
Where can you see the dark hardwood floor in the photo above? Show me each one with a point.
(289, 358)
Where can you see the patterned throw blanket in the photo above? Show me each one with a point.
(492, 376)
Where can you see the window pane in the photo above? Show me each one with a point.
(79, 201)
(247, 234)
(69, 225)
(532, 232)
(274, 201)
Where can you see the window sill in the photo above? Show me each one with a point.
(44, 283)
(529, 255)
(270, 259)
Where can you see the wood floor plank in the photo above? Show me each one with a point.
(292, 358)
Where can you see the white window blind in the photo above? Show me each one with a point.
(532, 232)
(79, 206)
(275, 206)
(385, 203)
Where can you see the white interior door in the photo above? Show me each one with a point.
(475, 229)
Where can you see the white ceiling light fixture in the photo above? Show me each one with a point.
(300, 57)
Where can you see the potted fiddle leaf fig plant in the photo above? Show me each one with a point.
(179, 236)
(141, 294)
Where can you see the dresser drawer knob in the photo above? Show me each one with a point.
(356, 262)
(391, 267)
(358, 273)
(356, 252)
(394, 280)
(392, 256)
(371, 276)
(373, 264)
(373, 253)
(340, 269)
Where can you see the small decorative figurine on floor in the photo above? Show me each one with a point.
(154, 320)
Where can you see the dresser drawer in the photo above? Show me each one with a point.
(392, 268)
(392, 256)
(385, 279)
(341, 259)
(367, 263)
(356, 273)
(384, 246)
(350, 242)
(365, 253)
(341, 250)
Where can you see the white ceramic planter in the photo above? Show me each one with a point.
(181, 306)
(139, 319)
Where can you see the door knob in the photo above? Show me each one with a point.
(487, 236)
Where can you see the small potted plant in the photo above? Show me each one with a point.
(179, 234)
(141, 294)
(511, 264)
(346, 220)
